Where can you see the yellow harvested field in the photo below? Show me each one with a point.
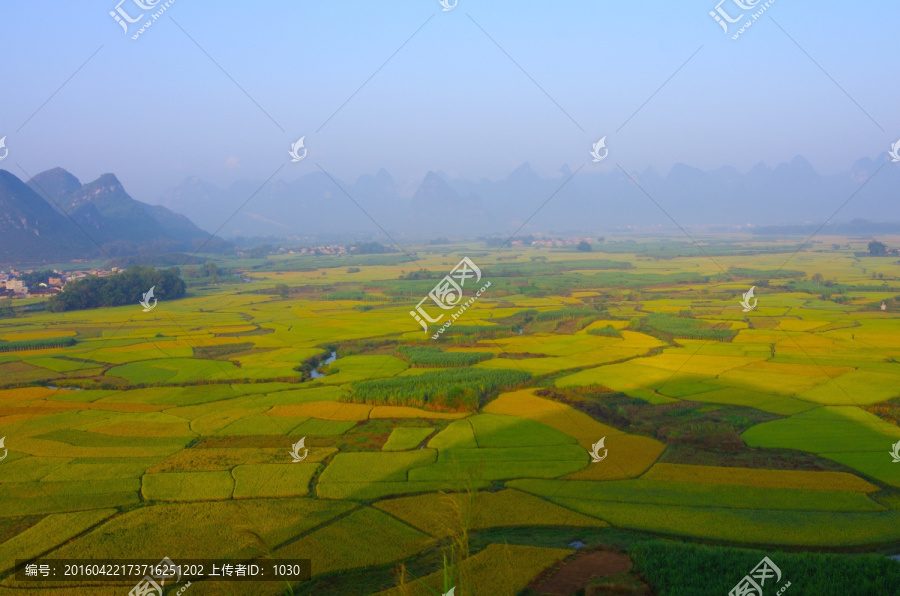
(629, 456)
(769, 381)
(633, 339)
(407, 412)
(226, 458)
(51, 531)
(323, 410)
(438, 515)
(27, 393)
(132, 408)
(798, 325)
(600, 324)
(697, 364)
(144, 429)
(805, 370)
(797, 479)
(232, 329)
(563, 418)
(45, 448)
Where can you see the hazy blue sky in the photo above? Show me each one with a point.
(157, 109)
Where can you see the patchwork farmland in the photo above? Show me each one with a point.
(729, 435)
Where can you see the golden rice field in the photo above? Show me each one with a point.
(173, 432)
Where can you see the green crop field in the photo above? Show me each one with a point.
(618, 400)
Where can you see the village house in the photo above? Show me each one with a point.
(17, 286)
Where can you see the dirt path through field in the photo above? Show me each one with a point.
(577, 572)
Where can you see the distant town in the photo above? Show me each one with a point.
(377, 248)
(16, 283)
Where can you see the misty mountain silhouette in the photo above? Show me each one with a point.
(55, 217)
(29, 226)
(591, 202)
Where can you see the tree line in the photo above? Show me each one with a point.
(118, 289)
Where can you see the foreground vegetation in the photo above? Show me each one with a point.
(678, 569)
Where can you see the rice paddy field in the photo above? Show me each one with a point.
(616, 401)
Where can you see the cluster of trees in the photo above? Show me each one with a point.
(608, 331)
(283, 290)
(119, 289)
(453, 389)
(684, 327)
(432, 356)
(208, 270)
(420, 274)
(879, 249)
(256, 252)
(36, 344)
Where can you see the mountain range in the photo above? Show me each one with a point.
(54, 217)
(586, 202)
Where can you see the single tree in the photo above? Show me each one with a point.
(211, 271)
(877, 249)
